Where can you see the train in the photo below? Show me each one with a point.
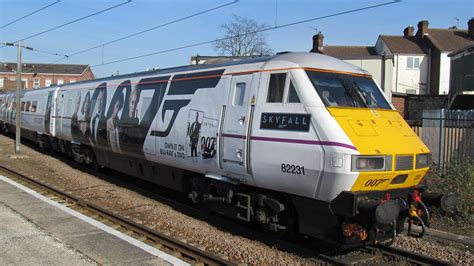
(295, 142)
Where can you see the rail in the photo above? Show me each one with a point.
(379, 254)
(164, 242)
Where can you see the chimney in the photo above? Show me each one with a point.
(408, 31)
(318, 40)
(422, 29)
(470, 28)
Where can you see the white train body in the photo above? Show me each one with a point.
(258, 123)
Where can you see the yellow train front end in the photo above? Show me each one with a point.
(392, 155)
(390, 164)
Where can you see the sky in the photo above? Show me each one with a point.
(358, 28)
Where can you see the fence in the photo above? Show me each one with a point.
(448, 134)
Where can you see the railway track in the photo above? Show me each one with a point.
(195, 255)
(175, 247)
(378, 255)
(191, 253)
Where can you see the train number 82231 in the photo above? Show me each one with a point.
(292, 169)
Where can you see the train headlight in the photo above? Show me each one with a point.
(422, 160)
(371, 163)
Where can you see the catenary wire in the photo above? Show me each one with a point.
(248, 33)
(46, 52)
(74, 21)
(29, 14)
(33, 49)
(146, 30)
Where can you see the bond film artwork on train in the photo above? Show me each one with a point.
(118, 118)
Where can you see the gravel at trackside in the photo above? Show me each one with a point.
(449, 254)
(162, 218)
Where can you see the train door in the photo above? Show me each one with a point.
(47, 117)
(59, 113)
(234, 133)
(285, 147)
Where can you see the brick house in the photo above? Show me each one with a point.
(43, 75)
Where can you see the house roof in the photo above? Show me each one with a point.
(449, 40)
(467, 49)
(350, 52)
(402, 45)
(45, 68)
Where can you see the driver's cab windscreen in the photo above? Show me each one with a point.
(338, 90)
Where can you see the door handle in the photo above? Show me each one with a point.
(241, 120)
(238, 153)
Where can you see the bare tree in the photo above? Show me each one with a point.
(242, 38)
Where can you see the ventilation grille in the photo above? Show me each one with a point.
(404, 162)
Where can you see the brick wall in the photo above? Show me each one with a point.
(87, 74)
(54, 78)
(417, 103)
(10, 85)
(399, 100)
(411, 106)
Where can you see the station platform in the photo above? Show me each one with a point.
(36, 230)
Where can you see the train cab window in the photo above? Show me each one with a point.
(292, 95)
(331, 89)
(239, 94)
(27, 106)
(369, 93)
(348, 90)
(276, 88)
(34, 106)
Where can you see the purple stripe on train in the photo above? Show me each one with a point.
(297, 141)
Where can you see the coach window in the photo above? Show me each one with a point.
(239, 94)
(34, 106)
(276, 88)
(292, 94)
(27, 106)
(22, 106)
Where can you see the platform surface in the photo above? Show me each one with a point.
(35, 230)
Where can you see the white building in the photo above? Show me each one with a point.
(423, 57)
(410, 62)
(365, 57)
(419, 63)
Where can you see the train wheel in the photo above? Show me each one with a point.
(94, 165)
